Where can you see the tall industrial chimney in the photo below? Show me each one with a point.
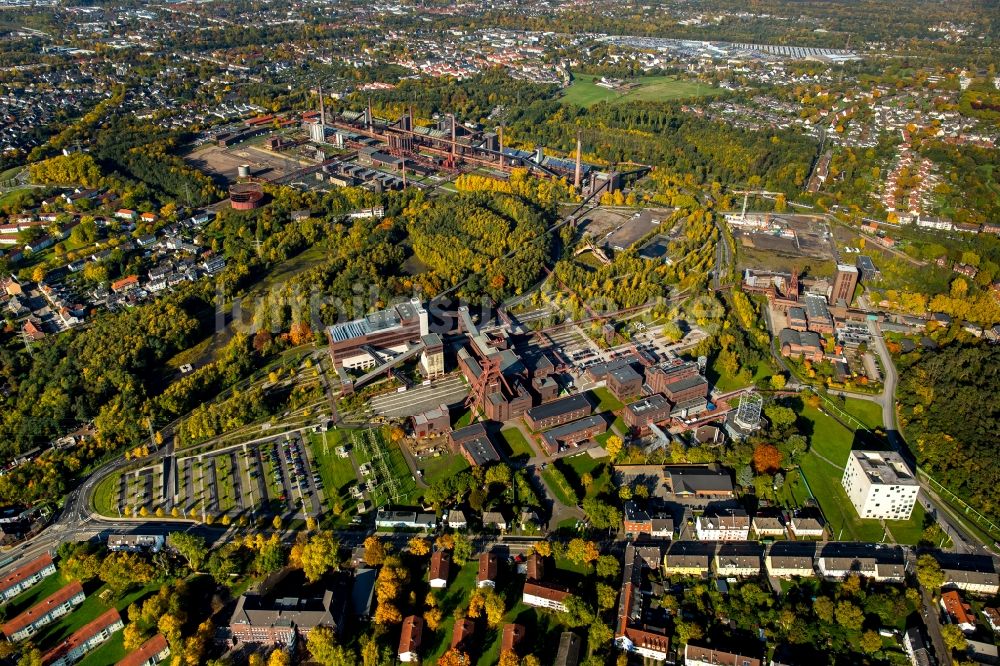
(370, 118)
(454, 147)
(577, 173)
(501, 145)
(322, 109)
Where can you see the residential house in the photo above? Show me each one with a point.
(152, 652)
(456, 519)
(84, 640)
(495, 519)
(992, 618)
(806, 528)
(410, 639)
(49, 609)
(488, 565)
(440, 567)
(880, 562)
(767, 526)
(545, 595)
(462, 634)
(731, 525)
(535, 566)
(787, 559)
(688, 558)
(636, 520)
(739, 559)
(695, 655)
(633, 631)
(973, 574)
(958, 612)
(513, 634)
(916, 648)
(25, 576)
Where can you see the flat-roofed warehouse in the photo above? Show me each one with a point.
(392, 330)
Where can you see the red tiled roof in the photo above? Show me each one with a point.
(42, 608)
(440, 564)
(150, 648)
(82, 635)
(546, 591)
(413, 630)
(647, 639)
(27, 571)
(464, 629)
(958, 609)
(487, 567)
(536, 567)
(512, 635)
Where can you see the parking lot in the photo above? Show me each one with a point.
(270, 477)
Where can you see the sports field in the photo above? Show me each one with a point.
(584, 92)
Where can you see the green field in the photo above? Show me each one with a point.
(53, 634)
(442, 467)
(584, 92)
(111, 652)
(516, 443)
(564, 493)
(831, 440)
(337, 473)
(455, 596)
(606, 401)
(106, 495)
(574, 467)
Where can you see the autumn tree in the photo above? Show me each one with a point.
(279, 658)
(453, 657)
(766, 459)
(543, 548)
(929, 573)
(318, 555)
(124, 570)
(375, 551)
(613, 446)
(608, 566)
(508, 658)
(419, 546)
(582, 552)
(606, 596)
(190, 546)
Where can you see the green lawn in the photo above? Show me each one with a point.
(574, 467)
(562, 492)
(826, 436)
(111, 652)
(464, 420)
(442, 467)
(867, 412)
(607, 401)
(584, 92)
(517, 445)
(453, 597)
(89, 610)
(337, 473)
(845, 525)
(106, 495)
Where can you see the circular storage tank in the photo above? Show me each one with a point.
(243, 170)
(246, 196)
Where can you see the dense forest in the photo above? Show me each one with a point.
(665, 135)
(950, 416)
(472, 99)
(497, 241)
